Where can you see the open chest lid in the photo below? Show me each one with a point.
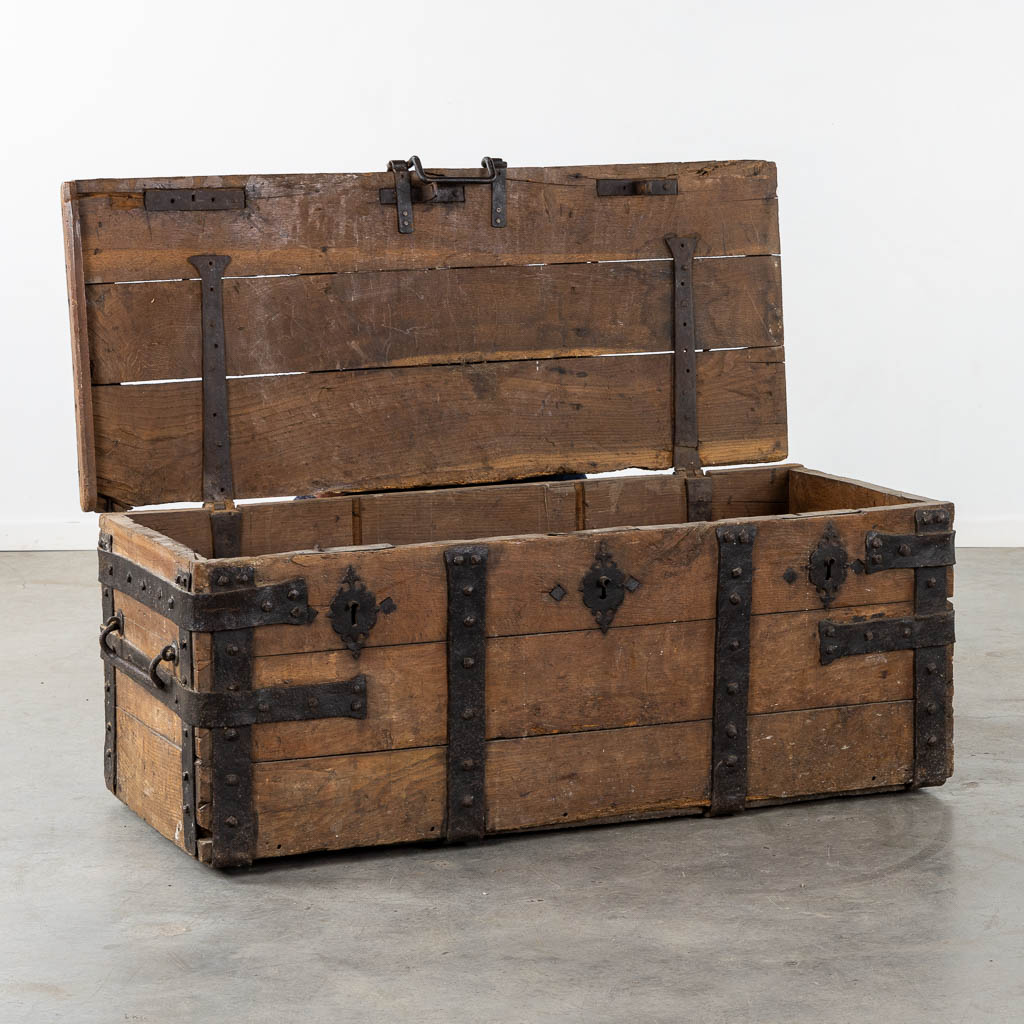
(262, 336)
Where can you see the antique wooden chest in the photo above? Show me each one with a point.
(461, 632)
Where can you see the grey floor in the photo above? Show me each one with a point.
(906, 907)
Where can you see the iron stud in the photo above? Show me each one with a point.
(468, 662)
(876, 542)
(931, 668)
(357, 687)
(231, 821)
(267, 606)
(732, 687)
(231, 779)
(356, 705)
(468, 713)
(232, 649)
(468, 764)
(467, 591)
(932, 740)
(737, 572)
(469, 620)
(467, 800)
(876, 559)
(230, 734)
(295, 612)
(930, 582)
(293, 594)
(223, 580)
(459, 559)
(474, 559)
(904, 550)
(734, 645)
(734, 599)
(731, 731)
(731, 761)
(263, 707)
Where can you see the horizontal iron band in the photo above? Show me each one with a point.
(240, 605)
(336, 699)
(874, 636)
(884, 551)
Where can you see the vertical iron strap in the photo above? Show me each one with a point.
(233, 815)
(403, 195)
(109, 688)
(732, 669)
(684, 365)
(932, 718)
(698, 499)
(499, 190)
(188, 749)
(218, 484)
(466, 568)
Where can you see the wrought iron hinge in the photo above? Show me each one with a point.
(447, 188)
(885, 551)
(873, 636)
(193, 200)
(637, 187)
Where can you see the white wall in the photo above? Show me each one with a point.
(896, 128)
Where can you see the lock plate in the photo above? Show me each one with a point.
(354, 611)
(826, 567)
(604, 587)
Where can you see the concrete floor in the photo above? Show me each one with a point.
(896, 908)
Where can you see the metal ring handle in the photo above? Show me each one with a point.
(169, 653)
(115, 624)
(487, 164)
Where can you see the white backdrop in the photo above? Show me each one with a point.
(896, 128)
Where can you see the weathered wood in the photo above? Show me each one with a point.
(415, 426)
(133, 700)
(812, 491)
(546, 780)
(673, 565)
(831, 750)
(151, 330)
(149, 776)
(318, 223)
(138, 543)
(736, 493)
(80, 365)
(188, 527)
(329, 803)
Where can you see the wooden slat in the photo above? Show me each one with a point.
(77, 312)
(147, 710)
(329, 803)
(148, 547)
(673, 565)
(188, 527)
(149, 776)
(812, 491)
(414, 426)
(806, 753)
(153, 330)
(548, 780)
(334, 222)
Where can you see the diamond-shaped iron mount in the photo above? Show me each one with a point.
(604, 587)
(354, 611)
(826, 568)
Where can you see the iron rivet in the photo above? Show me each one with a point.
(184, 776)
(869, 635)
(232, 649)
(313, 702)
(904, 550)
(293, 595)
(109, 727)
(730, 537)
(468, 662)
(731, 760)
(170, 602)
(469, 620)
(468, 764)
(467, 800)
(732, 687)
(744, 537)
(223, 580)
(357, 705)
(737, 572)
(931, 707)
(267, 606)
(185, 809)
(232, 686)
(930, 668)
(734, 598)
(110, 753)
(468, 713)
(876, 543)
(734, 645)
(930, 582)
(941, 517)
(876, 559)
(263, 706)
(474, 559)
(926, 517)
(230, 734)
(295, 612)
(932, 740)
(831, 649)
(459, 559)
(231, 822)
(231, 780)
(830, 631)
(357, 687)
(731, 731)
(907, 631)
(467, 591)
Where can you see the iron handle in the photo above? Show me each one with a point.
(487, 163)
(169, 653)
(115, 624)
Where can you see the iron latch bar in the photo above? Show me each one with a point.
(447, 188)
(637, 187)
(238, 604)
(885, 551)
(874, 636)
(236, 709)
(194, 200)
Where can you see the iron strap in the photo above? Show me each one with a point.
(732, 669)
(698, 499)
(466, 569)
(237, 604)
(883, 551)
(218, 483)
(685, 455)
(109, 688)
(873, 636)
(237, 707)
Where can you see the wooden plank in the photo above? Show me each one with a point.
(149, 776)
(329, 803)
(804, 753)
(549, 780)
(189, 527)
(673, 565)
(297, 525)
(763, 491)
(812, 491)
(147, 547)
(80, 365)
(152, 330)
(147, 710)
(319, 223)
(427, 426)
